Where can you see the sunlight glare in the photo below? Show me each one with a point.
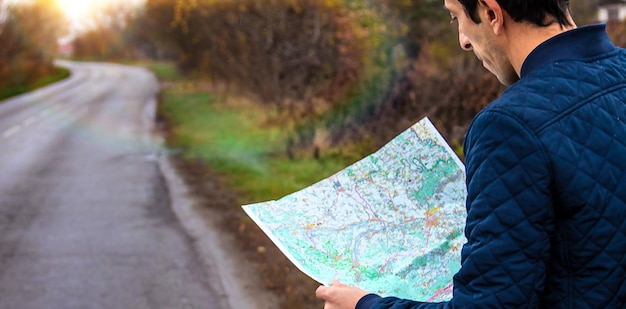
(80, 12)
(76, 10)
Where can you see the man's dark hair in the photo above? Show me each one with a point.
(534, 11)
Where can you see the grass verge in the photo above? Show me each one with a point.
(237, 144)
(230, 156)
(11, 91)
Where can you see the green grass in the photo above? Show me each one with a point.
(11, 91)
(164, 71)
(238, 145)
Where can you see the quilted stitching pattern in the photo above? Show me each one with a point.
(580, 128)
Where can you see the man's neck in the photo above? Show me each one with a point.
(524, 37)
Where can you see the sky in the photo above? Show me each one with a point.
(80, 12)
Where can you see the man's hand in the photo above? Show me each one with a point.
(339, 296)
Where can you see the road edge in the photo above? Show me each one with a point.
(229, 275)
(218, 259)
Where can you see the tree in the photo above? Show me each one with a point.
(619, 35)
(107, 36)
(28, 47)
(584, 11)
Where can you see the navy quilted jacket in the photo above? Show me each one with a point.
(546, 176)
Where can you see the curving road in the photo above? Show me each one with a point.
(84, 210)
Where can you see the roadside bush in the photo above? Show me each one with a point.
(28, 49)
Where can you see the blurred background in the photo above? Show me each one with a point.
(260, 98)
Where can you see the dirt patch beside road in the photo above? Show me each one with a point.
(267, 266)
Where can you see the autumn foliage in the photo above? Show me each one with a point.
(27, 49)
(619, 35)
(334, 73)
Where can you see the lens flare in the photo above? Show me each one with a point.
(76, 10)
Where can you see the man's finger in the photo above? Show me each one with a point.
(321, 292)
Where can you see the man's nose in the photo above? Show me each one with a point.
(464, 41)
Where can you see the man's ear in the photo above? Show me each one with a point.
(492, 14)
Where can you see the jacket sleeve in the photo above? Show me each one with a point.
(509, 220)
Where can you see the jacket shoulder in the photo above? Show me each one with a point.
(559, 88)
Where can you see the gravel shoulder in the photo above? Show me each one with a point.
(239, 279)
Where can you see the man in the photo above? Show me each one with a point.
(546, 166)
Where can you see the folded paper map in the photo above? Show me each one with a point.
(391, 223)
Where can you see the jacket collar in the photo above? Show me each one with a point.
(582, 42)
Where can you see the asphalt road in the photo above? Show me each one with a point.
(85, 217)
